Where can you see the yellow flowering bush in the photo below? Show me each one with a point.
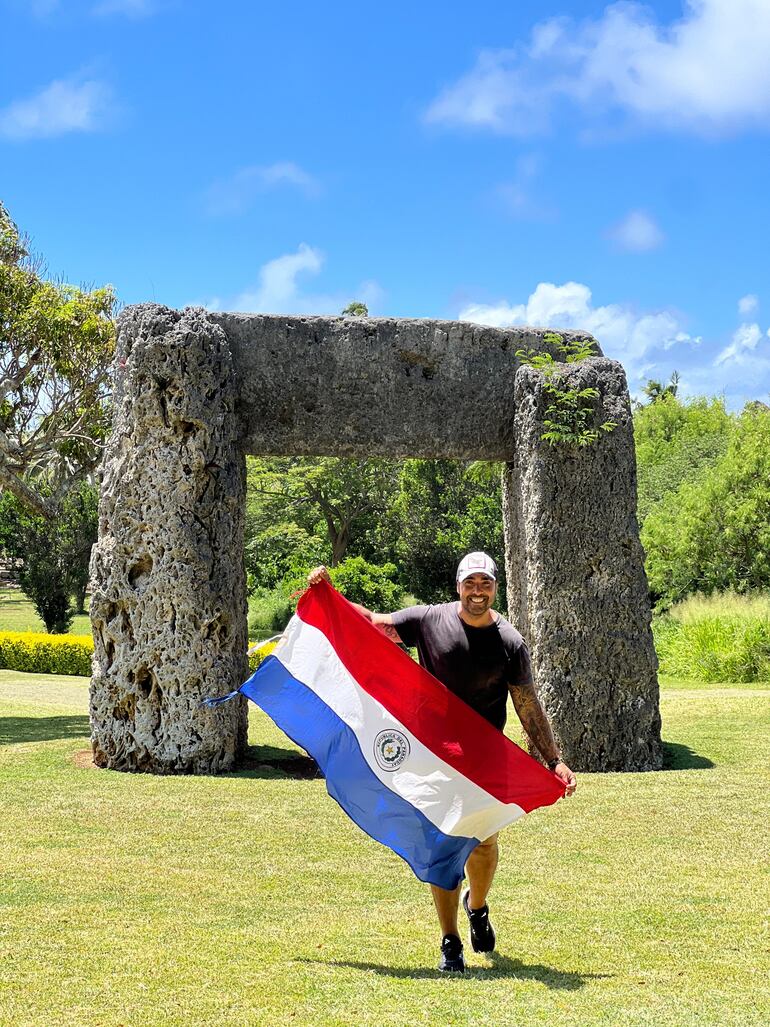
(260, 654)
(36, 653)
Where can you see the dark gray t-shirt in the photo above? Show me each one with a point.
(477, 664)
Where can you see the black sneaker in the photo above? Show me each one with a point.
(452, 959)
(482, 931)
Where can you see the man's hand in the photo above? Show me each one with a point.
(566, 776)
(318, 574)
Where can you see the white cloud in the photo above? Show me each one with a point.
(743, 342)
(66, 105)
(741, 371)
(623, 334)
(636, 233)
(747, 305)
(279, 291)
(707, 72)
(236, 193)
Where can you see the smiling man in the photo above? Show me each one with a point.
(482, 658)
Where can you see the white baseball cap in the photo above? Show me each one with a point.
(476, 563)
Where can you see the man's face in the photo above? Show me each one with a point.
(477, 593)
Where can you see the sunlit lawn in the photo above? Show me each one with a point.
(18, 614)
(252, 899)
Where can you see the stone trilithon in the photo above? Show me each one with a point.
(195, 391)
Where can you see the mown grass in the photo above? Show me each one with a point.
(251, 899)
(18, 614)
(724, 637)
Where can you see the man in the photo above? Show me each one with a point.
(480, 657)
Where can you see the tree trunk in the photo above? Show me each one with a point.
(340, 541)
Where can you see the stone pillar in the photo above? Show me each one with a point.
(577, 586)
(168, 606)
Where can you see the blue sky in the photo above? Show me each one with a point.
(570, 164)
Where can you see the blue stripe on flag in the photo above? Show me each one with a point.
(435, 857)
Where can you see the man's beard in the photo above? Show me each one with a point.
(476, 609)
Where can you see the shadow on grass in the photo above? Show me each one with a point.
(500, 966)
(272, 761)
(682, 757)
(42, 729)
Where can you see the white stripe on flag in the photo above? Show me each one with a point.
(449, 800)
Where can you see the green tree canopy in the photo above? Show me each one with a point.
(655, 390)
(53, 553)
(443, 509)
(355, 309)
(714, 532)
(330, 497)
(56, 343)
(676, 442)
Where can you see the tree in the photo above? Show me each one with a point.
(53, 554)
(373, 586)
(675, 443)
(655, 390)
(340, 493)
(714, 532)
(281, 550)
(56, 343)
(355, 309)
(443, 509)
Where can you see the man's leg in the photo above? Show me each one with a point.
(447, 903)
(480, 869)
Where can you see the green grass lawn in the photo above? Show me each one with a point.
(251, 898)
(18, 614)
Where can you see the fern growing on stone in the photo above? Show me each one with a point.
(570, 412)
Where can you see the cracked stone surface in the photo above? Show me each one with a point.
(195, 390)
(168, 608)
(576, 577)
(391, 387)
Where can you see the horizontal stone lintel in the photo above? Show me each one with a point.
(393, 387)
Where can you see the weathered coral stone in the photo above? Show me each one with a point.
(195, 390)
(168, 607)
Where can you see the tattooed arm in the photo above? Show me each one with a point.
(383, 621)
(535, 723)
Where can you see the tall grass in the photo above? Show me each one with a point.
(722, 637)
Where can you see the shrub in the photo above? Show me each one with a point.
(36, 653)
(373, 586)
(369, 584)
(256, 657)
(278, 552)
(713, 534)
(723, 637)
(270, 610)
(33, 653)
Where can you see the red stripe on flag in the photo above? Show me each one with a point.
(437, 717)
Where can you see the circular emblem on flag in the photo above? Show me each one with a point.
(391, 748)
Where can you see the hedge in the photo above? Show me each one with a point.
(260, 654)
(36, 653)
